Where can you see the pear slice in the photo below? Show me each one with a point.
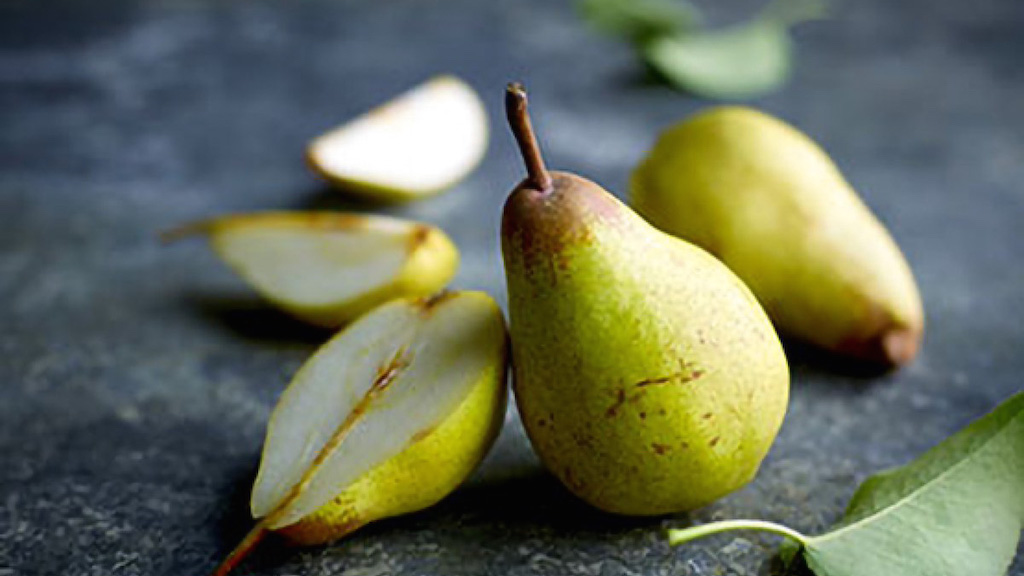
(328, 268)
(418, 144)
(387, 418)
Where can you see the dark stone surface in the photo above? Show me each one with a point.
(135, 380)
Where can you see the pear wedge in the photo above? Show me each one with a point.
(387, 418)
(328, 268)
(420, 143)
(770, 203)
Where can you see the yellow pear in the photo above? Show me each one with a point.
(386, 418)
(328, 268)
(766, 200)
(418, 144)
(648, 377)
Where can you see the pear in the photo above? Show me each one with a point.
(647, 376)
(765, 199)
(328, 268)
(387, 418)
(418, 144)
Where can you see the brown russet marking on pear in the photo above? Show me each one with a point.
(675, 378)
(583, 441)
(653, 381)
(418, 238)
(660, 449)
(892, 347)
(561, 208)
(429, 304)
(707, 415)
(881, 338)
(714, 441)
(546, 225)
(421, 435)
(884, 340)
(620, 399)
(303, 534)
(336, 221)
(385, 376)
(572, 481)
(901, 346)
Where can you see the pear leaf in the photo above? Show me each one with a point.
(958, 509)
(740, 61)
(639, 20)
(737, 62)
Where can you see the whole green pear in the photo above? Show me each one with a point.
(769, 202)
(647, 376)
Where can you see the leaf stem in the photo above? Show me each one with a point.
(519, 120)
(682, 536)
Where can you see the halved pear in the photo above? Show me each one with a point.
(420, 143)
(387, 418)
(328, 268)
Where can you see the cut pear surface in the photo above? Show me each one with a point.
(388, 417)
(420, 143)
(328, 268)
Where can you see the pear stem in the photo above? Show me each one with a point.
(242, 550)
(519, 120)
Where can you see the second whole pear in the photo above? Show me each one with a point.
(769, 202)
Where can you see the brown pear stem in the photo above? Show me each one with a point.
(519, 119)
(242, 550)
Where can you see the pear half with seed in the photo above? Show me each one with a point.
(387, 418)
(328, 268)
(420, 143)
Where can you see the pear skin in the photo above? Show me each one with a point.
(647, 376)
(769, 202)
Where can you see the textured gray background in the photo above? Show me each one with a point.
(135, 380)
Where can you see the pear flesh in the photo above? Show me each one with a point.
(386, 418)
(771, 204)
(418, 144)
(648, 377)
(328, 268)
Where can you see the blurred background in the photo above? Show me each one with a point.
(136, 379)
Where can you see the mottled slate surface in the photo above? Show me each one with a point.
(135, 380)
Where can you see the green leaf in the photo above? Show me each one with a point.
(741, 61)
(956, 510)
(738, 62)
(640, 20)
